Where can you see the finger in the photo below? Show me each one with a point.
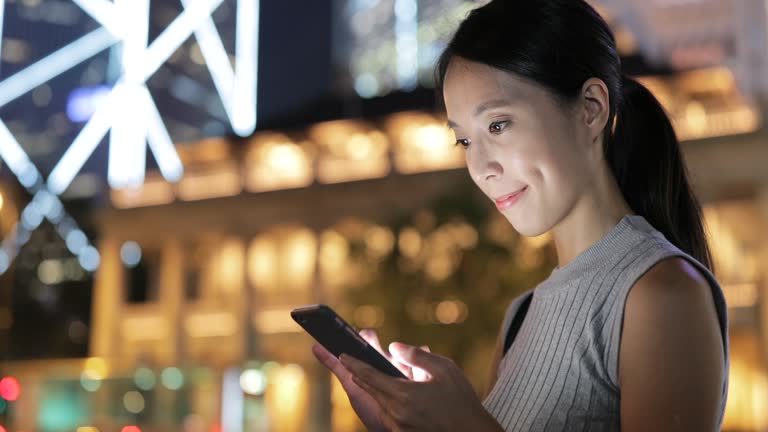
(415, 357)
(380, 382)
(372, 338)
(331, 362)
(416, 373)
(384, 401)
(404, 368)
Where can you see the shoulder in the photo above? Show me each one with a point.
(673, 296)
(671, 351)
(673, 282)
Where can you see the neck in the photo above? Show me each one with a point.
(595, 213)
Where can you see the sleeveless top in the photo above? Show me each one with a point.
(560, 372)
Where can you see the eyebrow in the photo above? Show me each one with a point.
(485, 106)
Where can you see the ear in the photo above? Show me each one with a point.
(595, 105)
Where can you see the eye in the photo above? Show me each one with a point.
(463, 142)
(498, 126)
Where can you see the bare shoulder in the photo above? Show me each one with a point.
(671, 350)
(670, 281)
(672, 296)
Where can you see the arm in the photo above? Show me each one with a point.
(671, 352)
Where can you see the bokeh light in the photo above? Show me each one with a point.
(10, 388)
(172, 378)
(144, 378)
(253, 382)
(133, 402)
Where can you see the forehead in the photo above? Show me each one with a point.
(477, 81)
(468, 86)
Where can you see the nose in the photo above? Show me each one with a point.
(487, 167)
(492, 171)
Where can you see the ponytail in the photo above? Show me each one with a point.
(644, 155)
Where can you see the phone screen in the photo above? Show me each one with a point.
(338, 337)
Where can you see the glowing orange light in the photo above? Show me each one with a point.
(130, 429)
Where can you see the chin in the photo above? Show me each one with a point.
(528, 226)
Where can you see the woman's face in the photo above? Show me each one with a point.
(519, 140)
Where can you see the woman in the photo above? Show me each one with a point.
(630, 330)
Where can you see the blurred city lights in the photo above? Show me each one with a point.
(276, 162)
(90, 381)
(89, 258)
(231, 401)
(76, 241)
(133, 402)
(144, 378)
(368, 316)
(126, 164)
(130, 253)
(451, 311)
(407, 43)
(172, 378)
(56, 63)
(83, 102)
(253, 382)
(97, 365)
(50, 272)
(10, 388)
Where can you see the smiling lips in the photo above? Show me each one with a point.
(506, 201)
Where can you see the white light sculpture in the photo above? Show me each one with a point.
(130, 112)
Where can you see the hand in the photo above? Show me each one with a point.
(364, 405)
(446, 401)
(372, 338)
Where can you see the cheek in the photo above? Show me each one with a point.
(563, 172)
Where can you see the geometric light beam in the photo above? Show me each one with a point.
(161, 145)
(127, 148)
(217, 60)
(136, 120)
(246, 67)
(237, 89)
(128, 110)
(82, 147)
(44, 205)
(104, 12)
(16, 159)
(191, 18)
(54, 64)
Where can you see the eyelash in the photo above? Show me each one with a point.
(497, 124)
(502, 123)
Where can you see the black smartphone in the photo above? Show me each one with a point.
(338, 337)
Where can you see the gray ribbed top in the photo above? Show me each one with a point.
(561, 372)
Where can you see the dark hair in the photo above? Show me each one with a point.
(560, 44)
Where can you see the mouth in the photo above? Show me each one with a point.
(506, 201)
